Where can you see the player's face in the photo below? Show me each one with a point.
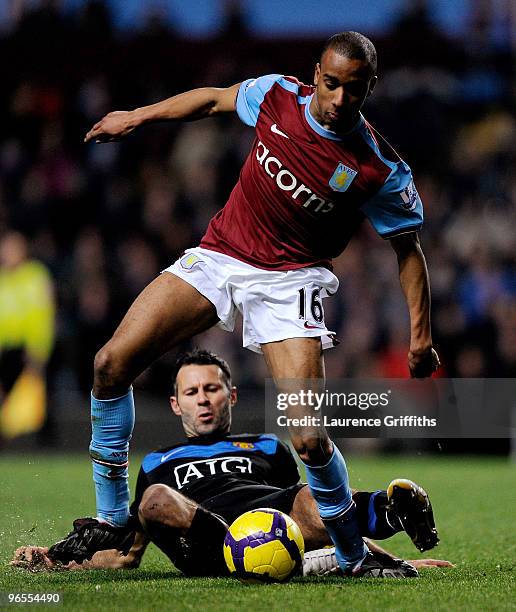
(203, 400)
(342, 85)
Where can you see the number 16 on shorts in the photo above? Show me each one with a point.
(310, 307)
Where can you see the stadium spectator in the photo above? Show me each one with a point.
(26, 337)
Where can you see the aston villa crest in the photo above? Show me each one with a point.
(188, 261)
(342, 177)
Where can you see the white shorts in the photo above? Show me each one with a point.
(275, 305)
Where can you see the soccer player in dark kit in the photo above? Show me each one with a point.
(187, 494)
(316, 170)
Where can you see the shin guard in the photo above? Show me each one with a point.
(329, 485)
(112, 423)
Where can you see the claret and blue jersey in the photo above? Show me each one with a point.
(304, 190)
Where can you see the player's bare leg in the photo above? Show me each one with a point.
(161, 506)
(297, 365)
(168, 311)
(305, 513)
(168, 517)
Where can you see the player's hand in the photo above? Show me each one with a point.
(33, 558)
(423, 563)
(102, 559)
(113, 126)
(423, 363)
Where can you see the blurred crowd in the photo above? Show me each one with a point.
(105, 219)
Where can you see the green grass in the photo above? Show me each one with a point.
(474, 503)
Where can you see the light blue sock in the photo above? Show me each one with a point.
(112, 424)
(329, 485)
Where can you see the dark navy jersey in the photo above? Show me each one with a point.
(304, 190)
(203, 468)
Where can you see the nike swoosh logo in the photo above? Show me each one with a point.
(167, 456)
(308, 326)
(276, 130)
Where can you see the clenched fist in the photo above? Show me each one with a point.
(423, 363)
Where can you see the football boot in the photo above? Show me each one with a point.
(380, 565)
(321, 562)
(88, 537)
(409, 504)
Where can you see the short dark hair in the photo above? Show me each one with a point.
(353, 45)
(201, 357)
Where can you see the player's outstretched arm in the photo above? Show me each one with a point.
(114, 559)
(35, 558)
(427, 563)
(188, 106)
(422, 358)
(417, 563)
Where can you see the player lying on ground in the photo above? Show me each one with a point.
(316, 170)
(187, 494)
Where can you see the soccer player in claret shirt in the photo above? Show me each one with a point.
(316, 170)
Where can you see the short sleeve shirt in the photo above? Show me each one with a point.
(304, 190)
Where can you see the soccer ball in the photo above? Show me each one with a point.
(264, 545)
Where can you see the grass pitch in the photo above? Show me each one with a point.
(474, 502)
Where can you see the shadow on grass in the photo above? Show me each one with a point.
(78, 577)
(87, 576)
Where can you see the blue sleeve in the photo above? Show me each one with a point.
(251, 95)
(397, 207)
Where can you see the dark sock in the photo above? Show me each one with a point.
(374, 520)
